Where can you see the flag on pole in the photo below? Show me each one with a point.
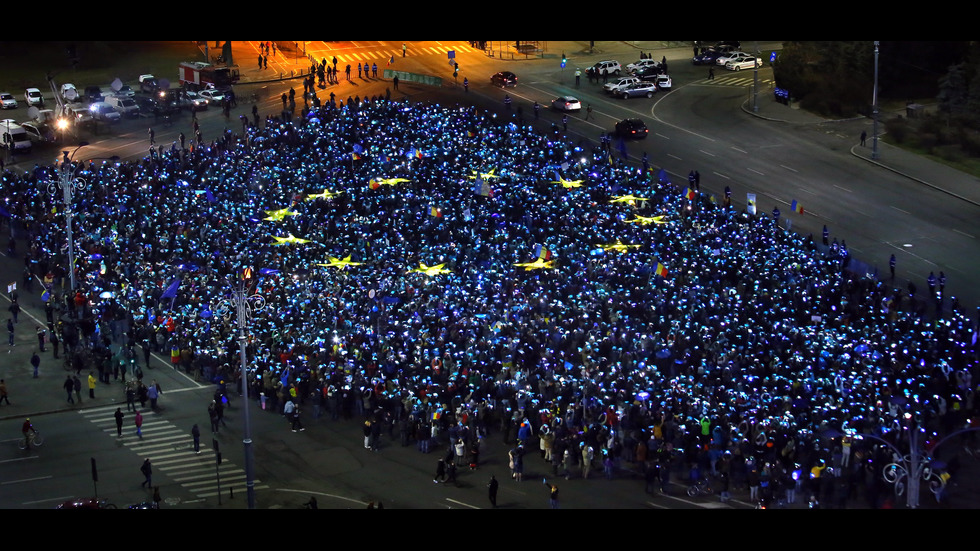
(661, 270)
(391, 59)
(750, 200)
(171, 291)
(435, 212)
(375, 184)
(46, 295)
(797, 207)
(691, 194)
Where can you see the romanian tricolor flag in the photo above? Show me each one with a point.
(797, 207)
(691, 194)
(374, 184)
(354, 155)
(434, 211)
(661, 270)
(542, 252)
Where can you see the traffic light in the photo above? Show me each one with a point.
(563, 60)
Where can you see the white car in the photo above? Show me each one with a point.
(212, 96)
(608, 67)
(642, 64)
(103, 111)
(566, 103)
(69, 92)
(619, 84)
(7, 101)
(662, 82)
(33, 97)
(740, 63)
(195, 101)
(725, 58)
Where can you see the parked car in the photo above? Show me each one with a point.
(607, 67)
(566, 103)
(69, 93)
(40, 133)
(622, 82)
(638, 89)
(707, 57)
(7, 101)
(148, 84)
(86, 503)
(650, 73)
(663, 82)
(103, 111)
(33, 97)
(631, 128)
(645, 63)
(504, 79)
(194, 101)
(93, 94)
(126, 106)
(13, 136)
(747, 62)
(212, 96)
(78, 114)
(125, 91)
(726, 57)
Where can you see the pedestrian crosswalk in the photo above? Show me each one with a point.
(740, 79)
(382, 55)
(171, 451)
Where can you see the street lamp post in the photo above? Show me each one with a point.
(246, 302)
(874, 110)
(907, 471)
(69, 182)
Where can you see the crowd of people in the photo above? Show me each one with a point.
(499, 278)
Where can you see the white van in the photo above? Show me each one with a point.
(13, 136)
(126, 106)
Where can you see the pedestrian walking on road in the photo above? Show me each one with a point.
(139, 424)
(440, 471)
(147, 470)
(196, 433)
(40, 338)
(864, 136)
(588, 112)
(91, 385)
(10, 331)
(553, 498)
(492, 490)
(152, 136)
(69, 387)
(119, 421)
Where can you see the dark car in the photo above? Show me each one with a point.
(631, 128)
(503, 79)
(708, 57)
(93, 94)
(650, 73)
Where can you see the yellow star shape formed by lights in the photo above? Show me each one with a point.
(327, 194)
(485, 175)
(289, 239)
(390, 181)
(630, 199)
(279, 215)
(538, 264)
(618, 246)
(647, 220)
(568, 184)
(340, 264)
(430, 270)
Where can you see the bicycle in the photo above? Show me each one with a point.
(700, 488)
(34, 439)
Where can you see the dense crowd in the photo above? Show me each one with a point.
(713, 341)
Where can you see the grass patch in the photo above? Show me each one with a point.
(26, 64)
